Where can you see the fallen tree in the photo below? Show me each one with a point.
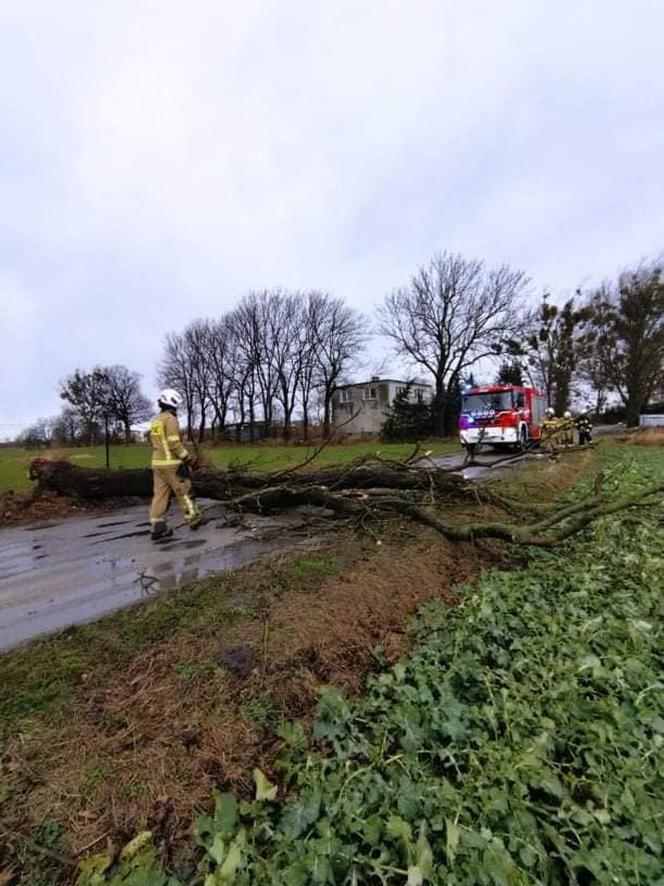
(91, 483)
(364, 491)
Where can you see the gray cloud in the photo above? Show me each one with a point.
(157, 159)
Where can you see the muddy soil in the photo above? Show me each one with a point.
(17, 508)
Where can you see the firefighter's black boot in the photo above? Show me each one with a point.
(160, 531)
(196, 522)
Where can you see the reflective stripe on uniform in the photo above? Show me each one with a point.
(166, 463)
(192, 510)
(158, 429)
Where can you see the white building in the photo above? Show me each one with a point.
(651, 421)
(361, 407)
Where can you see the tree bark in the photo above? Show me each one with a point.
(91, 483)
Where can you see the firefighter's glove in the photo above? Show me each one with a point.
(184, 470)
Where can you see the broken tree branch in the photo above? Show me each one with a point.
(364, 491)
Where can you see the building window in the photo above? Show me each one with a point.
(420, 395)
(401, 389)
(345, 397)
(369, 393)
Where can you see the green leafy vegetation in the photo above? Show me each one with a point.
(521, 741)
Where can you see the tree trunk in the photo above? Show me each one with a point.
(327, 409)
(438, 408)
(633, 410)
(91, 483)
(305, 421)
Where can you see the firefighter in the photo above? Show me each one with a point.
(568, 429)
(585, 429)
(171, 468)
(550, 424)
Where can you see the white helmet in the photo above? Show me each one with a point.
(550, 411)
(567, 414)
(170, 397)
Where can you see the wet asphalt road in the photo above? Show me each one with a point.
(54, 575)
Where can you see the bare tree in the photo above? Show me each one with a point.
(308, 365)
(123, 398)
(262, 354)
(196, 340)
(67, 426)
(628, 320)
(245, 349)
(262, 359)
(175, 370)
(453, 313)
(38, 435)
(221, 371)
(555, 342)
(337, 338)
(86, 392)
(286, 321)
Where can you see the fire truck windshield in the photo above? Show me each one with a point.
(499, 401)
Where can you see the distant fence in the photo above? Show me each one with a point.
(651, 421)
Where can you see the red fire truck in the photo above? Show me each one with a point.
(501, 415)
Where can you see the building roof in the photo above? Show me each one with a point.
(377, 381)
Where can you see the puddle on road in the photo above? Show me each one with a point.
(53, 576)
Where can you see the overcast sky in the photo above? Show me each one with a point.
(159, 159)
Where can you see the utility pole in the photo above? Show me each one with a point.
(108, 460)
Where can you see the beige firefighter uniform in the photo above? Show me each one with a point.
(568, 431)
(554, 431)
(558, 431)
(168, 453)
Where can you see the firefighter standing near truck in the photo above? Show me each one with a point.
(585, 429)
(171, 468)
(568, 428)
(550, 426)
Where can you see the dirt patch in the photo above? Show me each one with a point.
(198, 711)
(27, 507)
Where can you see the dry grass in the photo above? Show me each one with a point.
(648, 437)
